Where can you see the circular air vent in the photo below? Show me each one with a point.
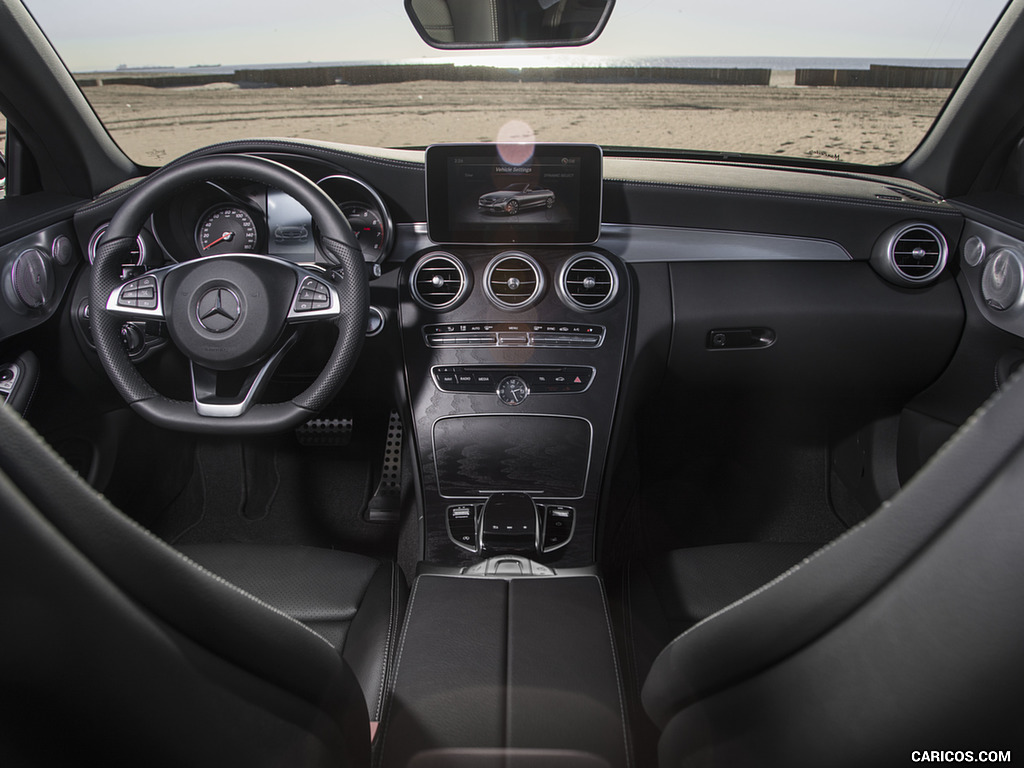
(514, 281)
(911, 254)
(439, 281)
(587, 282)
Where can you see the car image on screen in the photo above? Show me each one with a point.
(516, 197)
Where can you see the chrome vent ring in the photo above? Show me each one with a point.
(919, 253)
(911, 254)
(588, 282)
(514, 280)
(439, 281)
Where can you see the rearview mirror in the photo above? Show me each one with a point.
(458, 24)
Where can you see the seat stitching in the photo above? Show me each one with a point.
(627, 619)
(398, 669)
(618, 674)
(184, 558)
(967, 425)
(387, 644)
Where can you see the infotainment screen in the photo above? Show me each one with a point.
(514, 193)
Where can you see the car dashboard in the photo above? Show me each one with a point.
(518, 368)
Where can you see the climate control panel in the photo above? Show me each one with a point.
(537, 379)
(542, 335)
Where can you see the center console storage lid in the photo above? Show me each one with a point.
(524, 666)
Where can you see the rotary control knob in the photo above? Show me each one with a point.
(1003, 279)
(32, 279)
(134, 340)
(513, 390)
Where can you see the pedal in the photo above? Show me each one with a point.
(386, 504)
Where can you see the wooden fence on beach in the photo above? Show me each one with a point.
(878, 76)
(882, 76)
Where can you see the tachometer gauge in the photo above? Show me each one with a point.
(226, 229)
(366, 214)
(367, 227)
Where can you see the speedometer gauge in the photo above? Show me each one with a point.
(226, 229)
(367, 226)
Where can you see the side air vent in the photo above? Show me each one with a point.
(911, 254)
(439, 281)
(514, 281)
(587, 282)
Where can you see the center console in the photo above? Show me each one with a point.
(514, 338)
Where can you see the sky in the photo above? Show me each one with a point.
(101, 34)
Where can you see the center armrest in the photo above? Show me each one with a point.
(525, 666)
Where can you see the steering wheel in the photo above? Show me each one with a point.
(234, 316)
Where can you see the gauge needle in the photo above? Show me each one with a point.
(226, 237)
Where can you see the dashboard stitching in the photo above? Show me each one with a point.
(784, 196)
(252, 147)
(119, 192)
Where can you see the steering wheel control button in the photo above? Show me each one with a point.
(139, 293)
(314, 295)
(219, 310)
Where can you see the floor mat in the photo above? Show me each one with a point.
(711, 479)
(275, 491)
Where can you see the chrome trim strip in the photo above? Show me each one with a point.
(645, 244)
(231, 410)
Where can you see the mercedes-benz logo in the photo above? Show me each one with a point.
(218, 310)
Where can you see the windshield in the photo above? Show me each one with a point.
(813, 79)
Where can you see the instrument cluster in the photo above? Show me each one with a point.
(231, 216)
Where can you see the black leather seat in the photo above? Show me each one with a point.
(903, 635)
(667, 594)
(118, 648)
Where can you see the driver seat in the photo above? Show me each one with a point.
(116, 645)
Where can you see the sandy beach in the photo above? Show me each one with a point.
(863, 125)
